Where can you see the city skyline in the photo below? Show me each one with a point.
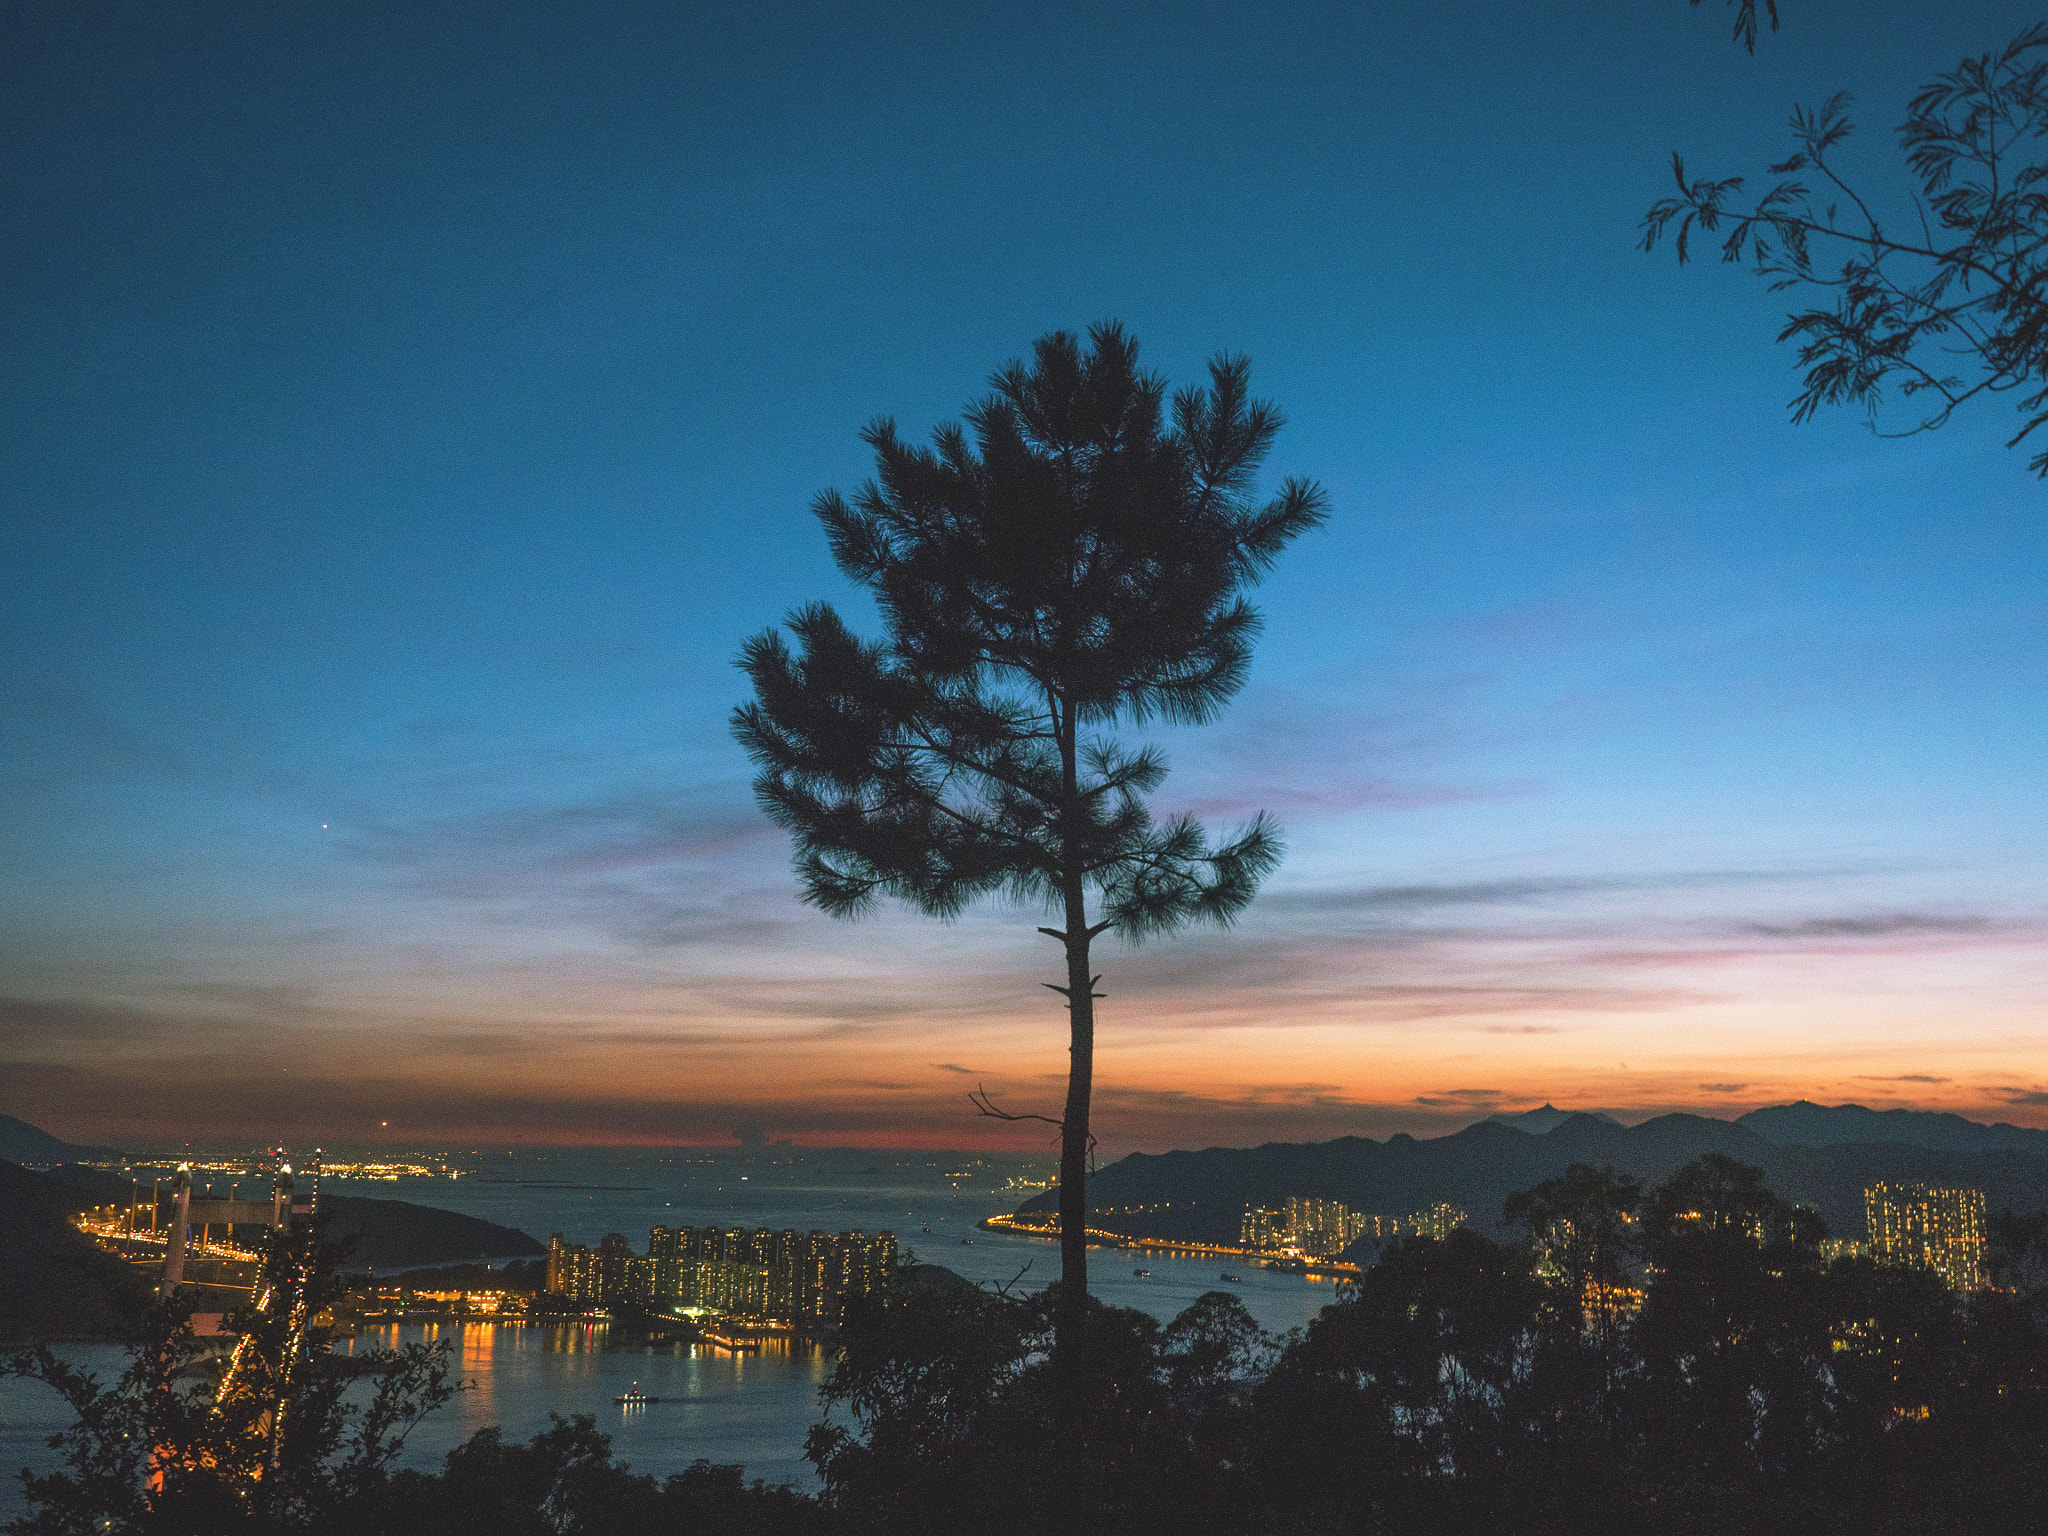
(410, 419)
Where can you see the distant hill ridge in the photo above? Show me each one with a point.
(21, 1142)
(1806, 1124)
(55, 1284)
(1541, 1122)
(384, 1234)
(1201, 1196)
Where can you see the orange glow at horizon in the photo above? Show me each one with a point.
(1172, 1070)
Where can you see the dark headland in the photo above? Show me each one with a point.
(54, 1282)
(1813, 1155)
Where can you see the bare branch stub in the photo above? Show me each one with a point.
(1002, 1287)
(981, 1101)
(984, 1104)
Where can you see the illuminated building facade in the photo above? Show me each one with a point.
(1263, 1227)
(1322, 1228)
(787, 1276)
(1937, 1229)
(1437, 1221)
(572, 1271)
(615, 1262)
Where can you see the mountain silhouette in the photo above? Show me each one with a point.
(1201, 1196)
(1541, 1122)
(1806, 1124)
(21, 1142)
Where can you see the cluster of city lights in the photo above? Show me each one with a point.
(390, 1172)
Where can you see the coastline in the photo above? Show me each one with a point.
(1099, 1237)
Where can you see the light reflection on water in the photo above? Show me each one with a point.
(30, 1413)
(754, 1409)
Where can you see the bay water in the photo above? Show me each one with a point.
(750, 1409)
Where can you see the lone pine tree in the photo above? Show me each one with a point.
(1077, 566)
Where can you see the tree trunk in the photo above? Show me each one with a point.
(1071, 1318)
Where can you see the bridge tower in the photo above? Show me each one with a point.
(180, 1232)
(276, 1214)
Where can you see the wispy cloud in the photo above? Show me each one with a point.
(35, 1026)
(1279, 1111)
(1281, 983)
(1359, 794)
(1722, 1087)
(648, 869)
(1547, 622)
(56, 736)
(1887, 925)
(513, 846)
(1897, 933)
(1398, 900)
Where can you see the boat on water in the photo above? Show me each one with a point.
(1230, 1279)
(633, 1397)
(966, 1242)
(1142, 1274)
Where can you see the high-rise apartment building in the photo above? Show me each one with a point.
(664, 1262)
(1939, 1229)
(572, 1271)
(787, 1276)
(616, 1263)
(1263, 1227)
(1322, 1228)
(1437, 1221)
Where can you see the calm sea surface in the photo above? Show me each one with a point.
(752, 1409)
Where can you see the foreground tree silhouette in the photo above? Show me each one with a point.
(261, 1439)
(1077, 567)
(1580, 1222)
(1745, 20)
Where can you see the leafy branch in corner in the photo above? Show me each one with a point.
(1745, 20)
(1954, 308)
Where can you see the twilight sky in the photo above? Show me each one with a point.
(409, 408)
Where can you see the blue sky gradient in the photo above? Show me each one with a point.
(411, 408)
